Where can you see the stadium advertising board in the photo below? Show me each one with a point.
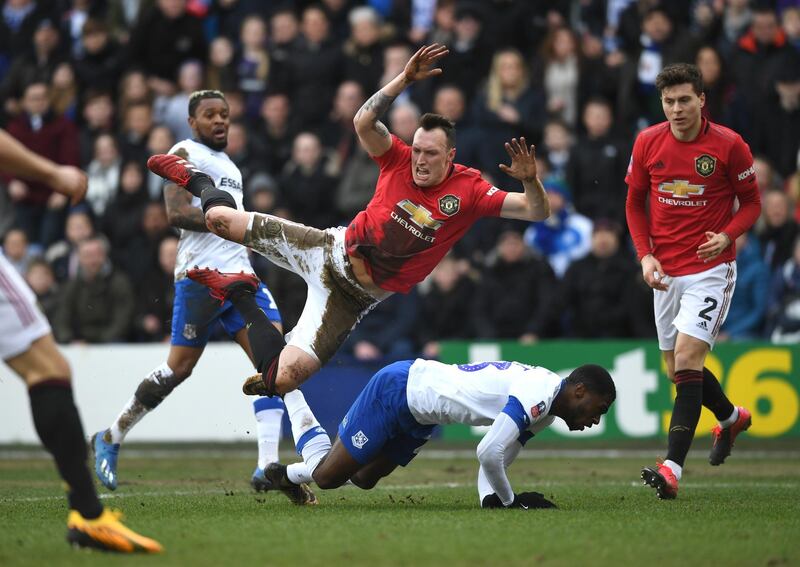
(760, 376)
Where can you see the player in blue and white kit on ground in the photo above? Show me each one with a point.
(195, 312)
(400, 406)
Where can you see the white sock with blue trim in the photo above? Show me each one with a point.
(269, 415)
(311, 440)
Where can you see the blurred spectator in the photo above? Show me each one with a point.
(337, 133)
(736, 19)
(338, 12)
(284, 34)
(155, 293)
(254, 69)
(783, 314)
(745, 318)
(38, 209)
(450, 102)
(123, 214)
(97, 305)
(122, 16)
(765, 174)
(557, 146)
(17, 250)
(260, 192)
(137, 120)
(172, 111)
(159, 141)
(776, 132)
(18, 23)
(515, 298)
(275, 132)
(64, 92)
(442, 306)
(363, 50)
(790, 22)
(35, 65)
(72, 22)
(596, 289)
(387, 331)
(102, 60)
(307, 190)
(444, 23)
(103, 173)
(220, 73)
(315, 69)
(597, 164)
(63, 255)
(720, 92)
(140, 253)
(404, 121)
(357, 184)
(470, 55)
(777, 230)
(758, 55)
(564, 237)
(561, 74)
(43, 283)
(133, 90)
(165, 37)
(508, 106)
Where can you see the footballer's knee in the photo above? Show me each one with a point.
(218, 220)
(364, 482)
(325, 480)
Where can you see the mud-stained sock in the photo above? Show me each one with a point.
(59, 427)
(685, 414)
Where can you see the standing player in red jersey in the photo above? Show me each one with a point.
(423, 203)
(692, 171)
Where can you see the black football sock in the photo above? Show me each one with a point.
(685, 414)
(198, 182)
(213, 197)
(265, 340)
(59, 427)
(714, 398)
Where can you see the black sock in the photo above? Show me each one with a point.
(59, 427)
(685, 413)
(714, 398)
(213, 197)
(265, 340)
(198, 182)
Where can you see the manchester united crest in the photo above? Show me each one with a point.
(705, 165)
(449, 205)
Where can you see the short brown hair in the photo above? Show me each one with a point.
(431, 121)
(680, 74)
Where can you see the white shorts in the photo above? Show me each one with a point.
(336, 302)
(21, 321)
(695, 305)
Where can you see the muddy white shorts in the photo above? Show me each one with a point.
(336, 302)
(695, 305)
(21, 321)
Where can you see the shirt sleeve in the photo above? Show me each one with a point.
(638, 180)
(500, 440)
(527, 405)
(742, 177)
(488, 199)
(398, 154)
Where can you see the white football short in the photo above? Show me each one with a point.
(336, 302)
(21, 321)
(695, 305)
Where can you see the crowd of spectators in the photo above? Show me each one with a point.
(105, 84)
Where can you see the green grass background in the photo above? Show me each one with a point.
(199, 505)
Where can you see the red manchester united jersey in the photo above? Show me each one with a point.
(692, 186)
(405, 229)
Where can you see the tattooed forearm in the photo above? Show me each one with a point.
(375, 107)
(180, 211)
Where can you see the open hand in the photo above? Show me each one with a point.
(419, 66)
(523, 160)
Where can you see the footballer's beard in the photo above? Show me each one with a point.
(214, 144)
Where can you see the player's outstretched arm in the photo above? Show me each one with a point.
(500, 440)
(532, 205)
(19, 161)
(372, 133)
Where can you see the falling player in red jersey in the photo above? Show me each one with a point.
(691, 171)
(423, 203)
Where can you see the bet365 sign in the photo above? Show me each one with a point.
(764, 378)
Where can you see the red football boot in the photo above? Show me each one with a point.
(723, 438)
(173, 168)
(662, 479)
(220, 285)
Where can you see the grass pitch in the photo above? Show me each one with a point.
(199, 505)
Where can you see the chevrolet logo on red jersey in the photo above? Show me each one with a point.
(420, 216)
(681, 188)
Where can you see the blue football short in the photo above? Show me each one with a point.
(379, 421)
(195, 312)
